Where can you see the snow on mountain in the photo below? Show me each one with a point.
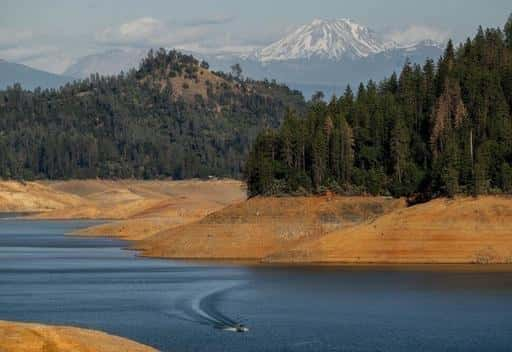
(328, 39)
(423, 43)
(333, 40)
(325, 54)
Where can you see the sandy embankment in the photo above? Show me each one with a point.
(256, 228)
(34, 197)
(464, 230)
(211, 220)
(160, 206)
(346, 230)
(141, 208)
(20, 337)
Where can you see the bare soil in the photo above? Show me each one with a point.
(21, 337)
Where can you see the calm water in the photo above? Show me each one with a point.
(176, 306)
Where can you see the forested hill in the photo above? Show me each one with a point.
(437, 129)
(172, 117)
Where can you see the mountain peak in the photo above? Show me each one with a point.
(321, 21)
(317, 21)
(331, 39)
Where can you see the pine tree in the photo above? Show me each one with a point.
(449, 113)
(437, 130)
(506, 177)
(449, 173)
(399, 149)
(319, 154)
(346, 151)
(508, 32)
(287, 138)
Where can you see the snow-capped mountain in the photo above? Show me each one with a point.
(327, 39)
(322, 55)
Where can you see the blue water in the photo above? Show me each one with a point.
(178, 306)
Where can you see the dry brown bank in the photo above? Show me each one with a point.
(464, 230)
(261, 226)
(209, 220)
(163, 205)
(143, 207)
(20, 337)
(146, 207)
(130, 199)
(33, 197)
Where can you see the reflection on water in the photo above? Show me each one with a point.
(178, 306)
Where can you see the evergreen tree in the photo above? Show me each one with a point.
(436, 129)
(140, 124)
(508, 32)
(399, 149)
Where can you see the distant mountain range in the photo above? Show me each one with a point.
(106, 63)
(322, 55)
(28, 77)
(329, 54)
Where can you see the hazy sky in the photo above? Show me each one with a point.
(51, 34)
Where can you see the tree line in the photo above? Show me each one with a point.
(441, 128)
(146, 123)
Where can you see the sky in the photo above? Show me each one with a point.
(51, 34)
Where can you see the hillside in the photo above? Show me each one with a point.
(321, 55)
(28, 77)
(34, 197)
(22, 337)
(259, 227)
(172, 117)
(323, 230)
(438, 129)
(464, 230)
(139, 206)
(213, 220)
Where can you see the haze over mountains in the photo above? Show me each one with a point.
(106, 63)
(322, 55)
(28, 77)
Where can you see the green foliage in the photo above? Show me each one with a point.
(506, 177)
(134, 125)
(433, 129)
(508, 32)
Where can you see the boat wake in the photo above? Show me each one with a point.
(202, 309)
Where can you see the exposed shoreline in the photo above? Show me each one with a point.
(212, 221)
(363, 266)
(30, 337)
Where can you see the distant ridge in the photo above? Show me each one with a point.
(28, 77)
(107, 63)
(321, 55)
(172, 117)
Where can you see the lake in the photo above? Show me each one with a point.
(48, 277)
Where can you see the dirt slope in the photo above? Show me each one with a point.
(118, 200)
(212, 220)
(34, 197)
(163, 205)
(18, 337)
(261, 226)
(143, 208)
(464, 230)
